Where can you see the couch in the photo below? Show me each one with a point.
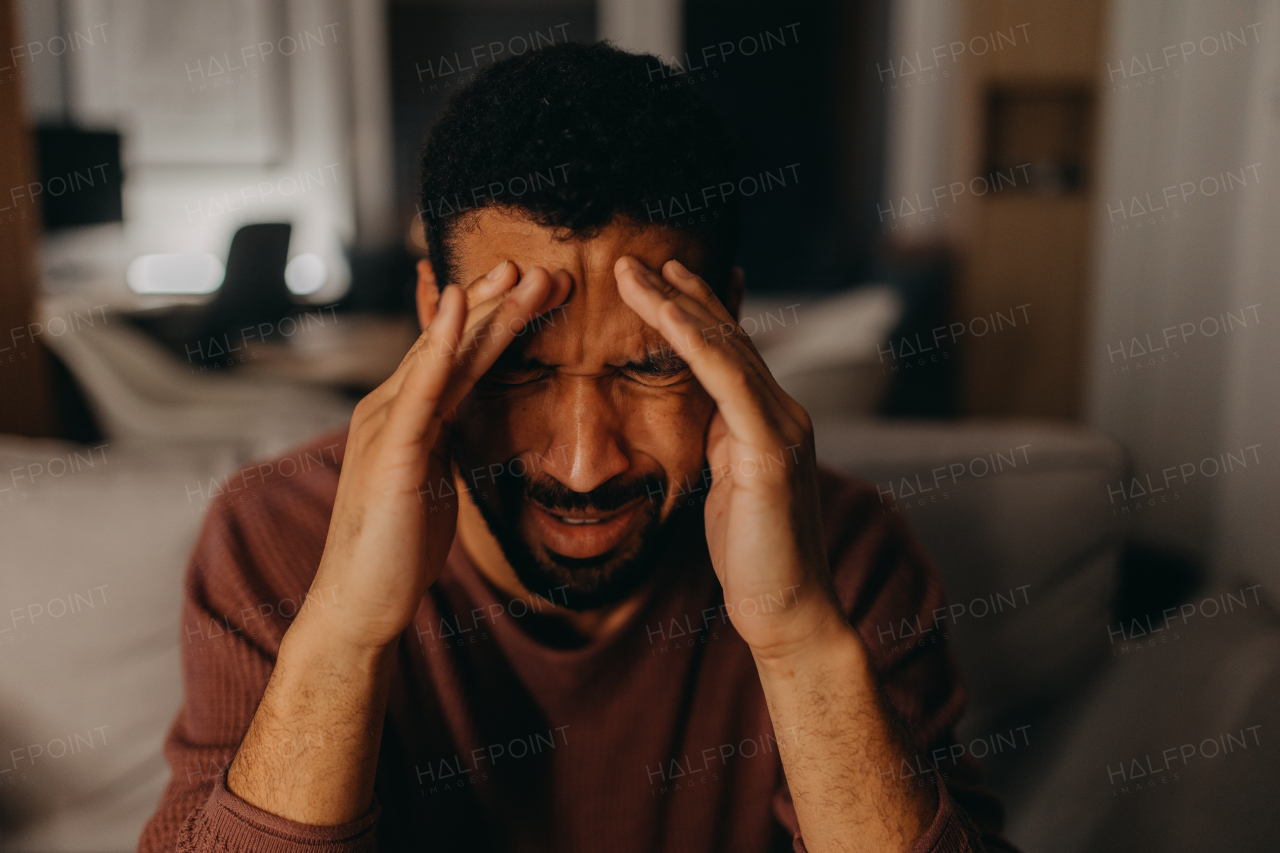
(1071, 714)
(1151, 734)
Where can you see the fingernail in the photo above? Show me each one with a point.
(529, 278)
(633, 266)
(681, 268)
(496, 272)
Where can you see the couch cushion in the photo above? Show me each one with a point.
(1017, 518)
(142, 395)
(825, 350)
(1173, 749)
(95, 545)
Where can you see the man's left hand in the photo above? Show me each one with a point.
(762, 514)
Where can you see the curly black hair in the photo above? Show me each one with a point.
(578, 136)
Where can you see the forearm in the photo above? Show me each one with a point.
(836, 735)
(310, 755)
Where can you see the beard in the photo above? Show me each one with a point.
(585, 583)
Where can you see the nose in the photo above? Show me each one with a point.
(586, 443)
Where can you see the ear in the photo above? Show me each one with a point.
(735, 292)
(428, 293)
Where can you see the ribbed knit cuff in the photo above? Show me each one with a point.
(228, 823)
(947, 833)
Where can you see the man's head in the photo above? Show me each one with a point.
(581, 442)
(575, 137)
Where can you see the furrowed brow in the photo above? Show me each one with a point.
(658, 362)
(514, 360)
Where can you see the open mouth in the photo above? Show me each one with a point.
(582, 534)
(581, 519)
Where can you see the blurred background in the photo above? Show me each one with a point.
(1015, 257)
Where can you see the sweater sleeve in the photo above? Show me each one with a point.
(883, 577)
(226, 822)
(248, 577)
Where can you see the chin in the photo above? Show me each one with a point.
(586, 578)
(583, 581)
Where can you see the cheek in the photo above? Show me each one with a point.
(671, 427)
(496, 428)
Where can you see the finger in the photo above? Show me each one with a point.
(537, 293)
(487, 287)
(562, 283)
(493, 283)
(720, 370)
(484, 315)
(697, 308)
(416, 406)
(696, 288)
(481, 313)
(493, 324)
(697, 300)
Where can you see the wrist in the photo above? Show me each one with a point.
(353, 618)
(318, 724)
(823, 637)
(320, 638)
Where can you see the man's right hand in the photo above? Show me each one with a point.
(384, 547)
(311, 751)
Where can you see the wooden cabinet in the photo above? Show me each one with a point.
(25, 400)
(1028, 110)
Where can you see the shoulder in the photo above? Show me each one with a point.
(263, 534)
(893, 595)
(857, 521)
(881, 570)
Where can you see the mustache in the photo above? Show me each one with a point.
(608, 496)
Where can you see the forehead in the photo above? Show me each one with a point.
(594, 325)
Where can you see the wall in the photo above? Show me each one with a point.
(921, 111)
(1210, 107)
(1247, 536)
(642, 26)
(1165, 264)
(27, 407)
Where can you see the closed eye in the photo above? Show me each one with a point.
(658, 368)
(513, 377)
(511, 371)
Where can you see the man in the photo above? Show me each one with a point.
(578, 583)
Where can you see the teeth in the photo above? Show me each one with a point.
(579, 520)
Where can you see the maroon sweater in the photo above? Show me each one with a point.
(656, 738)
